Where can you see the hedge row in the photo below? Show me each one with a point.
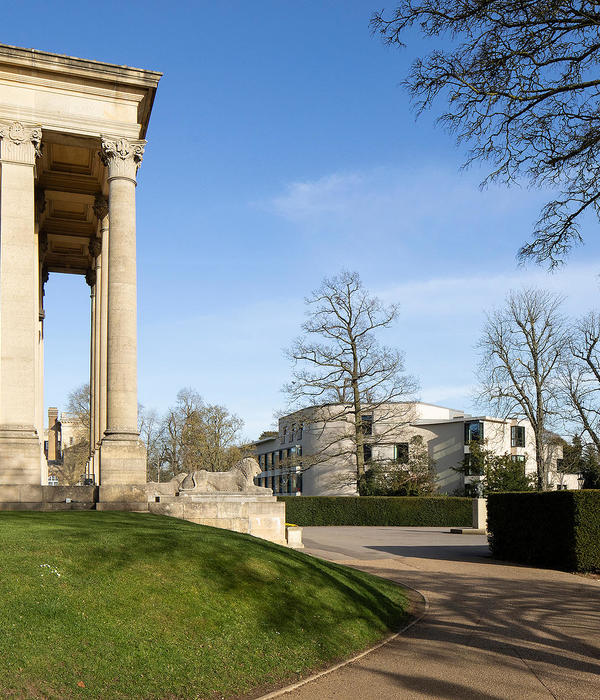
(376, 510)
(556, 529)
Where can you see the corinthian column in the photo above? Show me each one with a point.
(20, 445)
(122, 458)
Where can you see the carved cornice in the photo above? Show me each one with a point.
(100, 206)
(20, 143)
(122, 156)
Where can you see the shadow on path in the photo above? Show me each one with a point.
(494, 630)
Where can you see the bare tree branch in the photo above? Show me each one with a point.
(522, 89)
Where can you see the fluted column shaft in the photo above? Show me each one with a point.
(103, 342)
(122, 159)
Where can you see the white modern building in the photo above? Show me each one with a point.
(312, 454)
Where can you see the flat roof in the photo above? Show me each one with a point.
(376, 403)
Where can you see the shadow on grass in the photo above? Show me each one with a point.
(288, 589)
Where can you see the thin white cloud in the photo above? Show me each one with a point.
(388, 199)
(456, 296)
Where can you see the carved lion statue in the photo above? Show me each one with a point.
(239, 479)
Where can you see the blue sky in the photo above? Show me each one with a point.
(281, 149)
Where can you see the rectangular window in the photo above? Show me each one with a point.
(518, 458)
(559, 465)
(367, 453)
(367, 425)
(517, 436)
(401, 453)
(300, 429)
(473, 431)
(284, 436)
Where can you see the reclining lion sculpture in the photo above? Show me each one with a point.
(239, 479)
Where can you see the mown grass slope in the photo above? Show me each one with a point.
(125, 605)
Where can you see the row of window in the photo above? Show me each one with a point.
(271, 460)
(291, 434)
(474, 433)
(282, 483)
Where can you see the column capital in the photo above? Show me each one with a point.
(19, 142)
(121, 156)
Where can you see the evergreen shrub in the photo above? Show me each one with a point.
(422, 511)
(555, 529)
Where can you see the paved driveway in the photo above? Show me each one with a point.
(492, 630)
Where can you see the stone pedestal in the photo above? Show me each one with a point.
(20, 451)
(480, 514)
(123, 469)
(261, 516)
(294, 537)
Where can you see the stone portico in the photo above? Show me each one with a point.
(72, 138)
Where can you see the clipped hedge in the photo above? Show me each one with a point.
(555, 529)
(421, 511)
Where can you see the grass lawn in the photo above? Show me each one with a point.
(126, 605)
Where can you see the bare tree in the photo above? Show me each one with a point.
(218, 435)
(521, 349)
(338, 361)
(178, 450)
(580, 377)
(151, 429)
(520, 80)
(196, 435)
(78, 405)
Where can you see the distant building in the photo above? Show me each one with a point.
(312, 456)
(58, 436)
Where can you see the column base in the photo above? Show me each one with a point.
(122, 474)
(20, 452)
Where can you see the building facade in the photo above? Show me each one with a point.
(312, 453)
